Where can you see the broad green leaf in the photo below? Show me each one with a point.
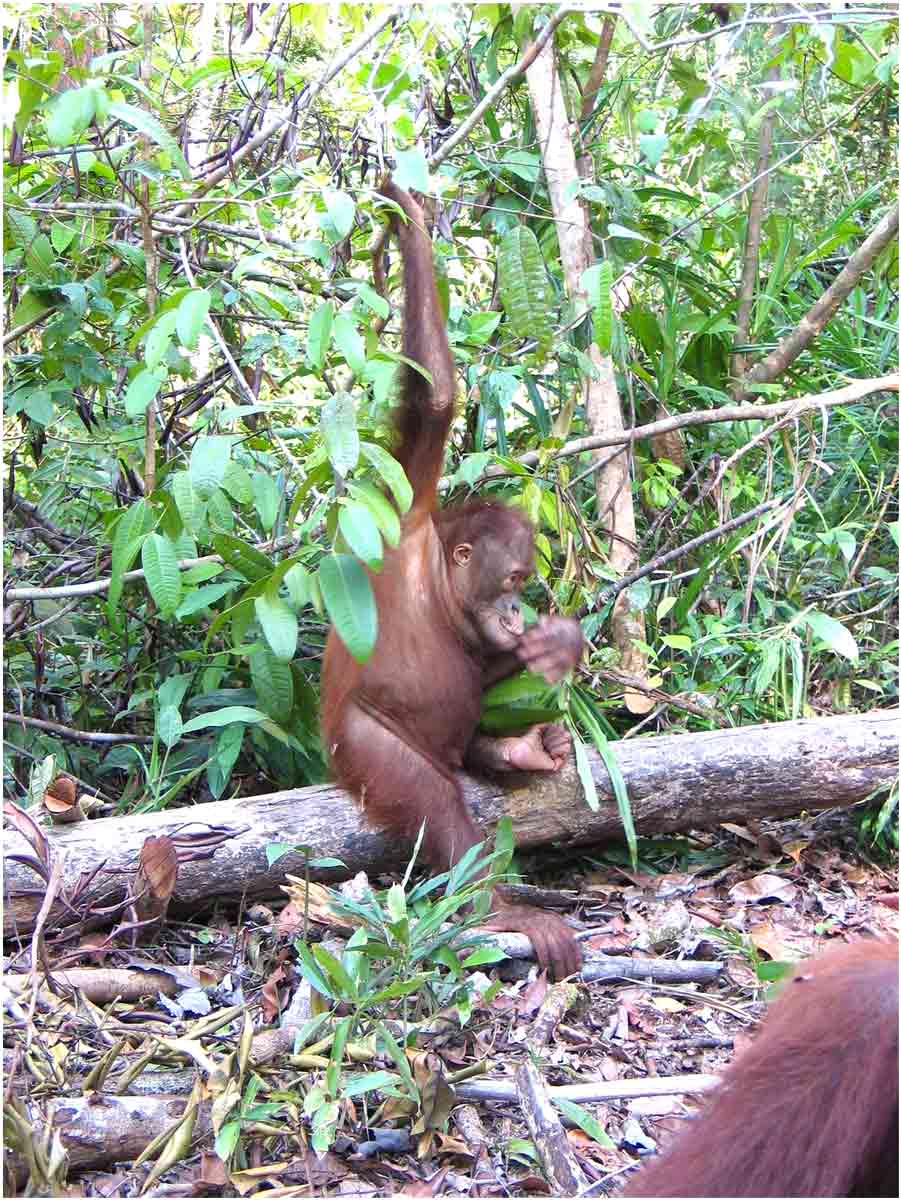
(319, 334)
(411, 169)
(169, 725)
(603, 308)
(359, 1085)
(190, 507)
(351, 605)
(225, 716)
(219, 515)
(142, 390)
(190, 316)
(349, 342)
(339, 431)
(653, 146)
(70, 115)
(390, 470)
(228, 747)
(61, 236)
(128, 535)
(273, 683)
(246, 559)
(381, 508)
(202, 597)
(523, 286)
(837, 637)
(161, 571)
(158, 338)
(266, 498)
(237, 483)
(297, 580)
(279, 624)
(38, 406)
(338, 219)
(144, 123)
(209, 458)
(360, 531)
(585, 1121)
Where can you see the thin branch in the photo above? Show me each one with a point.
(614, 589)
(816, 317)
(274, 126)
(850, 394)
(78, 735)
(504, 80)
(97, 586)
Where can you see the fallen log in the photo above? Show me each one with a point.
(679, 781)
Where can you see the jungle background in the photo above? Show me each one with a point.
(644, 216)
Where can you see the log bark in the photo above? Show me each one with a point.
(680, 781)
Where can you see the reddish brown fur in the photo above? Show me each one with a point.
(397, 728)
(811, 1108)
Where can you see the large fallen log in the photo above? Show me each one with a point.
(681, 781)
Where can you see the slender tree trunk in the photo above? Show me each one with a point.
(613, 485)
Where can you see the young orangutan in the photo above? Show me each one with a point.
(398, 727)
(811, 1108)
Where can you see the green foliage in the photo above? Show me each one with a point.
(257, 342)
(404, 943)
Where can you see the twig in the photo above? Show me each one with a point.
(613, 590)
(558, 1162)
(850, 394)
(504, 80)
(98, 586)
(78, 735)
(816, 317)
(593, 1093)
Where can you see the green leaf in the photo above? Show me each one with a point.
(69, 116)
(142, 390)
(583, 767)
(169, 725)
(209, 459)
(349, 342)
(411, 170)
(603, 308)
(359, 1085)
(339, 432)
(360, 531)
(279, 624)
(348, 597)
(338, 219)
(128, 535)
(190, 316)
(219, 513)
(246, 559)
(202, 597)
(390, 470)
(273, 683)
(298, 582)
(237, 483)
(266, 498)
(144, 123)
(61, 236)
(38, 407)
(157, 341)
(380, 507)
(228, 747)
(225, 716)
(161, 571)
(839, 639)
(585, 1121)
(319, 334)
(523, 286)
(190, 507)
(653, 146)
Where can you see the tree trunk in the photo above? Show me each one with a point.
(613, 483)
(679, 781)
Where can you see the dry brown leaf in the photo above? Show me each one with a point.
(763, 887)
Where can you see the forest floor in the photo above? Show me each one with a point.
(743, 897)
